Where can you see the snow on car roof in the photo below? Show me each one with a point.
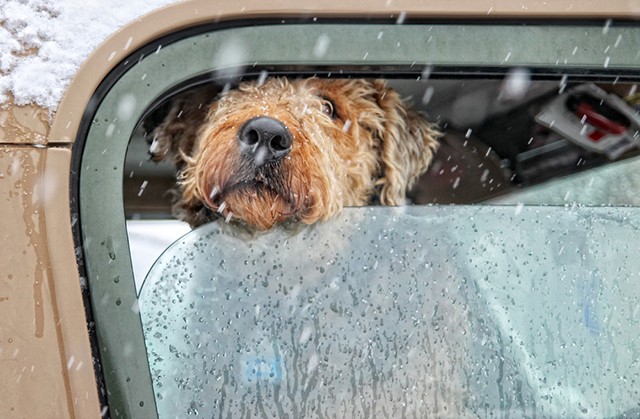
(44, 42)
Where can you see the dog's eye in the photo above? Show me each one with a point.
(329, 108)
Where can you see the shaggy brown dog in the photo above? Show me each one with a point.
(293, 149)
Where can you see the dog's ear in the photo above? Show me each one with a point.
(407, 145)
(176, 134)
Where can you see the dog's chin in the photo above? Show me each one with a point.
(271, 195)
(256, 204)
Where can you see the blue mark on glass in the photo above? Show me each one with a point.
(268, 368)
(588, 294)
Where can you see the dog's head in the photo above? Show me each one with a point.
(301, 149)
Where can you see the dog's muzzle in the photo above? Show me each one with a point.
(264, 140)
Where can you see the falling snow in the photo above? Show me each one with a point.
(322, 44)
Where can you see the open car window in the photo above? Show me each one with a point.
(519, 300)
(501, 136)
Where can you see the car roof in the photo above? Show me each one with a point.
(188, 14)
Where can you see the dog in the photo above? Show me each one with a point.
(292, 149)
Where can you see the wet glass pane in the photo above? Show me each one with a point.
(413, 312)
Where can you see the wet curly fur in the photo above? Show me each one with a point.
(352, 140)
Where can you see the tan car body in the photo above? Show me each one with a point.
(46, 366)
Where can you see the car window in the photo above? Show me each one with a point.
(491, 89)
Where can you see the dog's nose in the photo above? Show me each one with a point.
(264, 140)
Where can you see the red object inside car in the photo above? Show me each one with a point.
(599, 121)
